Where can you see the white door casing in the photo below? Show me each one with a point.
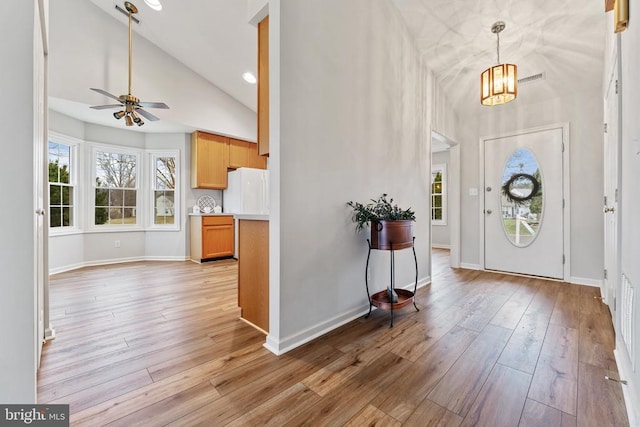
(611, 185)
(544, 254)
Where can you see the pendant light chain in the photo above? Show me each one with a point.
(498, 48)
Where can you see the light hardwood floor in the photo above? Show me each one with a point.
(153, 343)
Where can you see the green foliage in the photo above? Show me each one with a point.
(535, 205)
(102, 199)
(378, 210)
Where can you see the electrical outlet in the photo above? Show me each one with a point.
(117, 244)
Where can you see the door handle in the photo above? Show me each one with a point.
(608, 209)
(489, 211)
(40, 212)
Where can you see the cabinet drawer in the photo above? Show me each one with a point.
(217, 220)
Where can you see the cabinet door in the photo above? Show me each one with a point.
(209, 160)
(263, 87)
(244, 154)
(238, 153)
(217, 236)
(254, 160)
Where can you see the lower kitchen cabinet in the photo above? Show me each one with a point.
(212, 236)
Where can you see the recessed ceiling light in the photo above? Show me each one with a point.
(249, 78)
(154, 4)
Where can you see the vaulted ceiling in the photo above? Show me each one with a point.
(564, 40)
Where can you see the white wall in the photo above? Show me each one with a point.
(88, 49)
(354, 122)
(441, 234)
(17, 305)
(584, 113)
(629, 200)
(77, 250)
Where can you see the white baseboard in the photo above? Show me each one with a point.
(631, 401)
(470, 266)
(587, 282)
(281, 346)
(76, 266)
(437, 246)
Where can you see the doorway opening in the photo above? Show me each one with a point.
(445, 203)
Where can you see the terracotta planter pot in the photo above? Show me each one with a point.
(398, 233)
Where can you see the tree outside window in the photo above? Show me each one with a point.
(61, 189)
(115, 188)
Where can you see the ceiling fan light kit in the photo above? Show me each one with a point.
(132, 107)
(499, 83)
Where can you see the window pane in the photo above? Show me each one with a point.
(164, 207)
(67, 193)
(115, 170)
(66, 216)
(116, 197)
(115, 216)
(437, 201)
(55, 195)
(101, 216)
(522, 197)
(437, 214)
(165, 173)
(129, 197)
(129, 215)
(55, 217)
(102, 197)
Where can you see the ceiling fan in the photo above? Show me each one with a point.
(129, 104)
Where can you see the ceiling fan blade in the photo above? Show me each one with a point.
(153, 105)
(105, 93)
(147, 115)
(105, 107)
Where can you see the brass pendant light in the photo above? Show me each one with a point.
(498, 84)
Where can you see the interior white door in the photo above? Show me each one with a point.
(608, 290)
(523, 198)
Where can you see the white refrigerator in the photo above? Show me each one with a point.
(247, 192)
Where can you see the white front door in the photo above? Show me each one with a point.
(608, 290)
(523, 201)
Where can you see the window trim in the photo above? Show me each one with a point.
(74, 170)
(442, 168)
(140, 208)
(153, 155)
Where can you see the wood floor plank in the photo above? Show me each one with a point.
(555, 383)
(430, 414)
(460, 386)
(277, 410)
(597, 341)
(566, 311)
(601, 401)
(501, 399)
(372, 417)
(171, 408)
(339, 407)
(402, 397)
(536, 414)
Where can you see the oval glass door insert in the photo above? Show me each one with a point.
(521, 199)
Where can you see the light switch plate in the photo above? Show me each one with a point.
(473, 191)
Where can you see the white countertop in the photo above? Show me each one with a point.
(252, 217)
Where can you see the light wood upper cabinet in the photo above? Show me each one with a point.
(244, 154)
(209, 160)
(263, 87)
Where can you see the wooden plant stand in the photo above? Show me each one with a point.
(382, 299)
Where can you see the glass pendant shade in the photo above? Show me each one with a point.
(499, 84)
